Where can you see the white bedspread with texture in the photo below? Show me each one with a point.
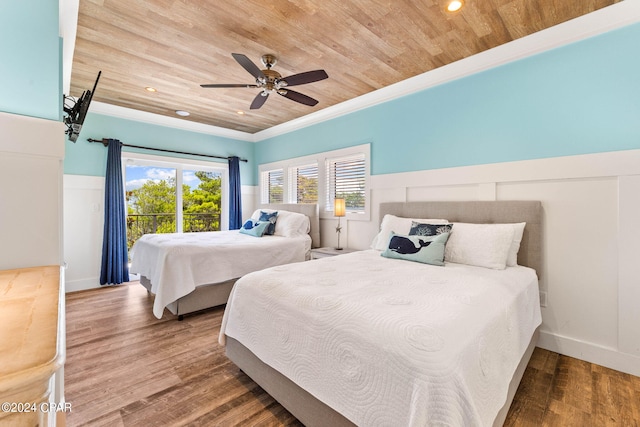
(176, 263)
(389, 342)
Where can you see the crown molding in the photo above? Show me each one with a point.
(598, 22)
(172, 122)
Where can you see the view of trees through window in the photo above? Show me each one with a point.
(151, 201)
(306, 182)
(347, 176)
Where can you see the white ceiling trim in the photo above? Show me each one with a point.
(67, 27)
(173, 122)
(601, 21)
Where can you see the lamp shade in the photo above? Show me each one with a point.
(338, 207)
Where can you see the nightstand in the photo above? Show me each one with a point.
(318, 253)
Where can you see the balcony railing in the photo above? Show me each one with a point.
(139, 224)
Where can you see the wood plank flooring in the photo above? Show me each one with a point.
(127, 368)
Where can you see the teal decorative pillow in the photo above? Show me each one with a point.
(271, 218)
(424, 249)
(254, 228)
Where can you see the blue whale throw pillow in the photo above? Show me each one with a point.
(254, 228)
(424, 249)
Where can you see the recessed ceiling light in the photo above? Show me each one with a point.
(182, 113)
(240, 112)
(454, 5)
(150, 89)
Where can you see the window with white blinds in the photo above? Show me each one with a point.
(273, 186)
(304, 183)
(346, 179)
(320, 178)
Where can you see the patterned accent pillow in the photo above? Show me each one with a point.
(419, 229)
(398, 225)
(254, 228)
(271, 219)
(424, 249)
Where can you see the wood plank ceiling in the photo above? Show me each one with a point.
(363, 45)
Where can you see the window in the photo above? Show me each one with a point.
(346, 179)
(320, 178)
(273, 186)
(304, 183)
(168, 195)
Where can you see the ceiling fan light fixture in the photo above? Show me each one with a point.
(454, 5)
(269, 80)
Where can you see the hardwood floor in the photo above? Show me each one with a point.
(127, 368)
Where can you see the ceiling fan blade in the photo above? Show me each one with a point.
(228, 85)
(298, 97)
(248, 65)
(259, 100)
(304, 78)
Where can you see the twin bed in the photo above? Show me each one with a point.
(361, 339)
(193, 271)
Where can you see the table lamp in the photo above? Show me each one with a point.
(339, 211)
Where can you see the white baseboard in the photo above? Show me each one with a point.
(82, 284)
(90, 283)
(589, 352)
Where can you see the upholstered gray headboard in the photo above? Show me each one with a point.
(310, 210)
(502, 211)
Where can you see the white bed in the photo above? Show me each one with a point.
(366, 340)
(191, 271)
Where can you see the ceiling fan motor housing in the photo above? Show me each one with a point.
(272, 80)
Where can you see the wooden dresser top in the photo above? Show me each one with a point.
(30, 302)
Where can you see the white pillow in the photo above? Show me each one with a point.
(518, 230)
(482, 245)
(398, 225)
(288, 223)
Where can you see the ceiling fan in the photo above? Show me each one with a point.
(271, 81)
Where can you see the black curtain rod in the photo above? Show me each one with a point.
(105, 142)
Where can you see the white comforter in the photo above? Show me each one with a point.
(388, 342)
(177, 263)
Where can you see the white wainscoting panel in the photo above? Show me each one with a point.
(580, 251)
(83, 229)
(629, 264)
(31, 155)
(443, 192)
(591, 241)
(249, 200)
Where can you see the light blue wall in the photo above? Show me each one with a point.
(582, 98)
(578, 99)
(85, 158)
(30, 59)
